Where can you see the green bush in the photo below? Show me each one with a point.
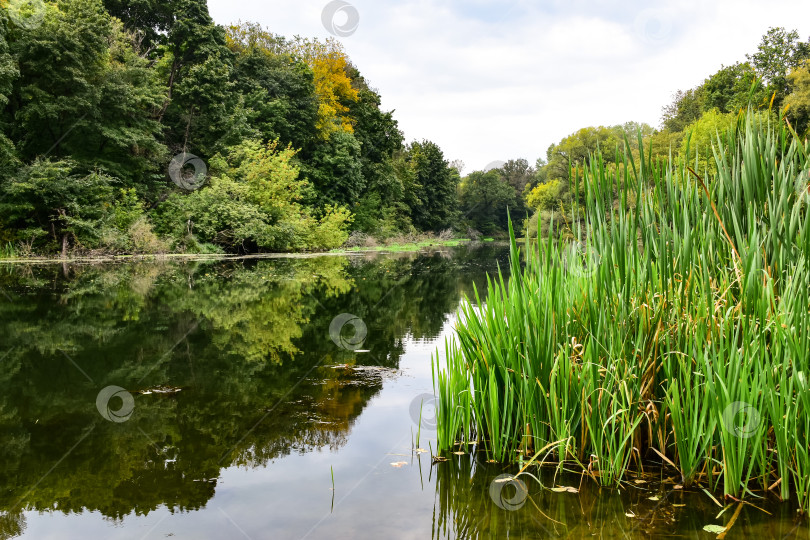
(252, 203)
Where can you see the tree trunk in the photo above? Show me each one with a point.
(64, 246)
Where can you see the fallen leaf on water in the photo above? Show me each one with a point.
(460, 453)
(679, 505)
(641, 481)
(421, 451)
(564, 489)
(714, 529)
(439, 459)
(678, 487)
(653, 498)
(399, 464)
(630, 514)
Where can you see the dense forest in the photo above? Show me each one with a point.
(141, 126)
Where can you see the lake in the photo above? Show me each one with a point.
(277, 398)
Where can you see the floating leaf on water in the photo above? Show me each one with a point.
(640, 481)
(399, 464)
(460, 453)
(678, 487)
(630, 514)
(565, 489)
(714, 529)
(503, 480)
(653, 498)
(679, 505)
(439, 459)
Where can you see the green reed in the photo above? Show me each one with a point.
(670, 324)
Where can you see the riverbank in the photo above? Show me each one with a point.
(395, 247)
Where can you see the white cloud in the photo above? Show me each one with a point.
(491, 80)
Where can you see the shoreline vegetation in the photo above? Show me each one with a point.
(392, 246)
(672, 331)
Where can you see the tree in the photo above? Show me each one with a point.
(278, 88)
(485, 198)
(778, 53)
(686, 107)
(8, 73)
(83, 93)
(253, 202)
(577, 148)
(149, 20)
(335, 170)
(333, 86)
(435, 182)
(798, 101)
(53, 203)
(729, 89)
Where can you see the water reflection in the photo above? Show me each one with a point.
(466, 506)
(228, 364)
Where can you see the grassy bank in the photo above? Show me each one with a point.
(677, 331)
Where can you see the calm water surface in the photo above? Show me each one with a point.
(222, 400)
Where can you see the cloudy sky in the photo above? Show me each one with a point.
(491, 80)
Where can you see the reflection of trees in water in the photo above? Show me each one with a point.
(238, 337)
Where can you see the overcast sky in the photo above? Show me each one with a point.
(491, 80)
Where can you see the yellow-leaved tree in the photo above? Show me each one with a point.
(333, 87)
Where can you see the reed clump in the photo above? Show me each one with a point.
(676, 329)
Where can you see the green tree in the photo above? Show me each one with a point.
(336, 171)
(729, 89)
(485, 198)
(778, 53)
(8, 73)
(253, 203)
(686, 107)
(435, 183)
(798, 101)
(52, 205)
(84, 94)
